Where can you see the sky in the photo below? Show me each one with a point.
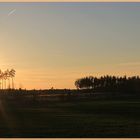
(69, 0)
(53, 44)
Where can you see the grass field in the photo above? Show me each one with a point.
(85, 117)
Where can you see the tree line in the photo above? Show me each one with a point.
(109, 83)
(7, 75)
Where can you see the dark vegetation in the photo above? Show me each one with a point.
(69, 114)
(110, 83)
(105, 107)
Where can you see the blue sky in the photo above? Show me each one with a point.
(52, 44)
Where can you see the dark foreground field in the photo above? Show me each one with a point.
(70, 116)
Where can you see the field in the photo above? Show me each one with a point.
(96, 115)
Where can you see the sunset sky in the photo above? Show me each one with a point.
(53, 44)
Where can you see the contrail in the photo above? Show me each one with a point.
(11, 12)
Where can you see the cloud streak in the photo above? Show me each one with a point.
(11, 12)
(130, 64)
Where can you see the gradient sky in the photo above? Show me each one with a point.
(69, 0)
(53, 44)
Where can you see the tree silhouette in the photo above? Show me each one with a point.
(84, 83)
(12, 75)
(6, 75)
(109, 83)
(1, 80)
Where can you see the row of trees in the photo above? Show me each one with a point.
(109, 83)
(7, 75)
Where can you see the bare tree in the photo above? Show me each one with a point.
(0, 79)
(12, 75)
(5, 77)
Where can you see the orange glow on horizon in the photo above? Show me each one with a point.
(60, 79)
